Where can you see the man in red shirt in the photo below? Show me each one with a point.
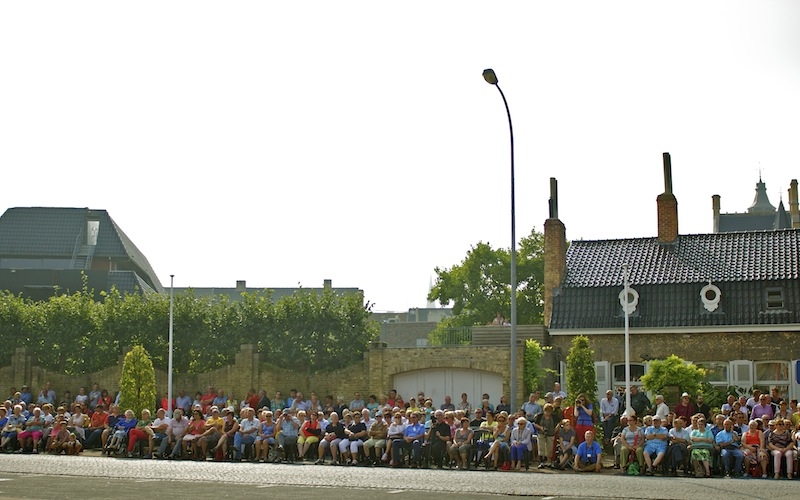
(96, 425)
(252, 399)
(685, 408)
(208, 399)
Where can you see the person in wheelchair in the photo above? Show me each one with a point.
(117, 441)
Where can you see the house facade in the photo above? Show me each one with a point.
(726, 301)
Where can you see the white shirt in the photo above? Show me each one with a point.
(607, 407)
(662, 410)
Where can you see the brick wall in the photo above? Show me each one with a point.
(373, 375)
(695, 347)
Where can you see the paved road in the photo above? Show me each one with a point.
(85, 477)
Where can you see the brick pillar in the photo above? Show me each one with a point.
(246, 371)
(21, 365)
(374, 361)
(555, 262)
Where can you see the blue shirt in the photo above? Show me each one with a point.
(414, 430)
(588, 454)
(655, 445)
(724, 436)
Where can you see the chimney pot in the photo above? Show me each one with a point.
(553, 198)
(667, 206)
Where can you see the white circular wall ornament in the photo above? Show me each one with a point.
(710, 295)
(630, 302)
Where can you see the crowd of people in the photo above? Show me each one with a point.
(757, 437)
(386, 430)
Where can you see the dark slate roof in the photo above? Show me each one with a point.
(729, 223)
(55, 232)
(668, 278)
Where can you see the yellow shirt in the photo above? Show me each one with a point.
(215, 422)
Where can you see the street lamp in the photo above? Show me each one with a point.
(169, 367)
(491, 78)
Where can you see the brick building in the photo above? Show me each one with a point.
(727, 301)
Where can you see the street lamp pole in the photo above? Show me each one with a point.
(169, 368)
(491, 78)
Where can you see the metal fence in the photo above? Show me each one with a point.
(450, 337)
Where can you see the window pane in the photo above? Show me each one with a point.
(772, 371)
(637, 371)
(715, 372)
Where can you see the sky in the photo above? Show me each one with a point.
(285, 143)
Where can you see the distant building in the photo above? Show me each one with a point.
(44, 251)
(234, 294)
(761, 215)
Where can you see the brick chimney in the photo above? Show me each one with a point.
(794, 209)
(667, 207)
(715, 208)
(555, 252)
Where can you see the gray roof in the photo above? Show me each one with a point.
(56, 233)
(669, 277)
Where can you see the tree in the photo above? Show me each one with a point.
(319, 332)
(533, 373)
(14, 317)
(138, 381)
(479, 287)
(581, 375)
(673, 371)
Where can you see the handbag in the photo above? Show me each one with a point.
(633, 464)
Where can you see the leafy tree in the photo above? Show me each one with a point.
(138, 381)
(673, 371)
(69, 328)
(14, 317)
(478, 287)
(581, 375)
(533, 373)
(321, 331)
(76, 334)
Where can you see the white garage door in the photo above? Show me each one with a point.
(439, 382)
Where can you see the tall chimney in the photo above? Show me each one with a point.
(794, 208)
(667, 207)
(555, 252)
(715, 208)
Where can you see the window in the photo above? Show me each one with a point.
(771, 374)
(637, 371)
(774, 298)
(716, 372)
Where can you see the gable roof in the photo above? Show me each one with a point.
(47, 232)
(669, 278)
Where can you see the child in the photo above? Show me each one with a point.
(58, 437)
(72, 446)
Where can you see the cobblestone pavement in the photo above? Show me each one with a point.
(540, 483)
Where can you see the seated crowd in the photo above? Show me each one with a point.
(758, 437)
(386, 430)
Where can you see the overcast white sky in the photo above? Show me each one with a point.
(291, 142)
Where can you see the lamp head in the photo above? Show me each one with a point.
(489, 76)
